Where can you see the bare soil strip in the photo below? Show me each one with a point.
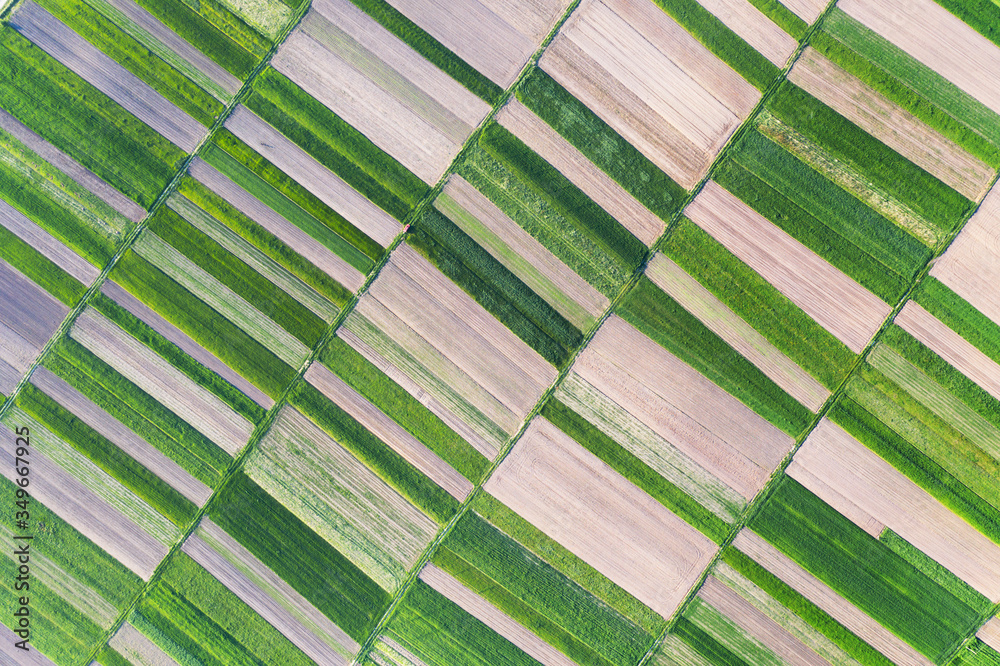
(596, 513)
(828, 600)
(989, 633)
(138, 649)
(47, 244)
(835, 498)
(27, 309)
(807, 10)
(834, 300)
(755, 28)
(891, 124)
(16, 352)
(596, 184)
(12, 656)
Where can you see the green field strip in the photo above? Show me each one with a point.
(863, 570)
(332, 231)
(260, 292)
(396, 403)
(662, 319)
(136, 58)
(335, 144)
(112, 460)
(601, 144)
(374, 453)
(706, 645)
(728, 635)
(543, 588)
(222, 389)
(958, 315)
(884, 167)
(138, 411)
(759, 303)
(39, 269)
(783, 17)
(494, 287)
(69, 112)
(976, 653)
(635, 470)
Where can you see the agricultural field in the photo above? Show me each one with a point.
(501, 332)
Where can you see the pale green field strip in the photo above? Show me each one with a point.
(728, 635)
(598, 515)
(656, 451)
(298, 240)
(707, 424)
(757, 626)
(521, 253)
(989, 633)
(169, 46)
(755, 28)
(76, 593)
(494, 36)
(101, 485)
(148, 316)
(725, 323)
(130, 643)
(385, 117)
(220, 298)
(391, 653)
(268, 17)
(828, 600)
(252, 257)
(46, 244)
(784, 617)
(492, 617)
(943, 403)
(930, 35)
(327, 186)
(396, 68)
(675, 652)
(340, 499)
(876, 487)
(89, 513)
(892, 125)
(971, 266)
(17, 657)
(127, 90)
(191, 402)
(561, 154)
(832, 299)
(673, 99)
(950, 346)
(129, 442)
(267, 594)
(387, 430)
(849, 178)
(117, 209)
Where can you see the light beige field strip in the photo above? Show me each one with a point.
(755, 28)
(541, 266)
(288, 233)
(937, 398)
(625, 112)
(417, 144)
(582, 503)
(971, 265)
(938, 39)
(369, 35)
(950, 346)
(308, 172)
(757, 625)
(891, 124)
(130, 643)
(390, 432)
(492, 617)
(476, 34)
(532, 18)
(77, 172)
(989, 633)
(835, 498)
(126, 89)
(835, 301)
(653, 76)
(828, 600)
(93, 517)
(557, 151)
(176, 391)
(46, 244)
(14, 656)
(634, 435)
(742, 337)
(424, 397)
(878, 488)
(129, 442)
(807, 10)
(33, 313)
(15, 349)
(269, 595)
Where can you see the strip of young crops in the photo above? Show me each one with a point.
(47, 245)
